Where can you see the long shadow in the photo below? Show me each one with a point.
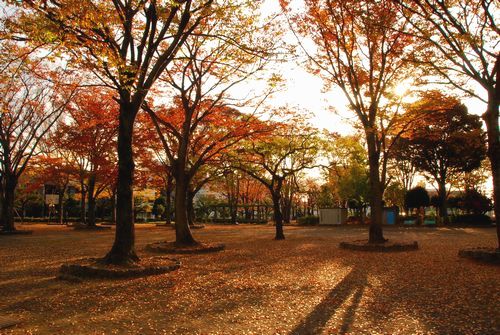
(314, 323)
(351, 311)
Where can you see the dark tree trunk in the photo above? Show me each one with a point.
(375, 233)
(491, 120)
(443, 202)
(183, 234)
(91, 201)
(275, 189)
(123, 250)
(278, 216)
(8, 202)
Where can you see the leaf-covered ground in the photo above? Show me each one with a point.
(302, 285)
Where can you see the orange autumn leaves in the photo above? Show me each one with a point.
(83, 143)
(214, 129)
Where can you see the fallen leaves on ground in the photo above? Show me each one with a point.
(302, 285)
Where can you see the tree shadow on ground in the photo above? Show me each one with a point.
(353, 284)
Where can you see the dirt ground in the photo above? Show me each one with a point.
(302, 285)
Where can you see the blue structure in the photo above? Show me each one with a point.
(390, 215)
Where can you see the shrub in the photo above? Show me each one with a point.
(476, 202)
(417, 197)
(308, 220)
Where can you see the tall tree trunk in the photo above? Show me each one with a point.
(91, 201)
(375, 233)
(278, 216)
(8, 202)
(123, 250)
(183, 234)
(490, 117)
(443, 202)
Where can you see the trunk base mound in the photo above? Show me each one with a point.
(96, 268)
(486, 255)
(16, 232)
(173, 248)
(389, 246)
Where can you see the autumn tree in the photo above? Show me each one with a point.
(86, 140)
(30, 106)
(447, 142)
(347, 172)
(193, 139)
(401, 165)
(238, 188)
(274, 158)
(394, 194)
(127, 45)
(476, 179)
(290, 189)
(360, 47)
(26, 191)
(325, 196)
(54, 170)
(153, 164)
(461, 46)
(231, 189)
(201, 122)
(251, 192)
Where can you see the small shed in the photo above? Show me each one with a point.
(332, 216)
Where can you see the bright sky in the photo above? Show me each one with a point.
(328, 109)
